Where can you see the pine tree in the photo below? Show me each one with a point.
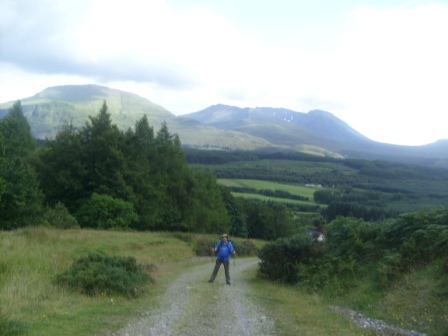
(20, 197)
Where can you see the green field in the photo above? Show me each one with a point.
(296, 190)
(299, 190)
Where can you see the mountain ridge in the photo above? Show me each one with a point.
(221, 126)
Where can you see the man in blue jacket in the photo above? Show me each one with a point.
(224, 249)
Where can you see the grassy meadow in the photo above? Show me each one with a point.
(31, 257)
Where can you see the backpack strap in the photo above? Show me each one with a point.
(219, 247)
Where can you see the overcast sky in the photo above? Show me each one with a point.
(379, 65)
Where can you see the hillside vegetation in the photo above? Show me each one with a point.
(51, 110)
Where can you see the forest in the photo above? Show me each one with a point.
(100, 177)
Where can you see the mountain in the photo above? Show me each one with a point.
(316, 132)
(220, 126)
(50, 110)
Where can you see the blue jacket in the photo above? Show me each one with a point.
(224, 250)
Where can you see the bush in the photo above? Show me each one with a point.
(106, 212)
(203, 247)
(96, 274)
(60, 218)
(245, 248)
(286, 258)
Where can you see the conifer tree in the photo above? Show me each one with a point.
(20, 197)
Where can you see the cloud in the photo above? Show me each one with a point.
(378, 70)
(107, 40)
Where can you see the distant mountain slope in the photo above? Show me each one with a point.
(48, 111)
(221, 126)
(282, 126)
(316, 129)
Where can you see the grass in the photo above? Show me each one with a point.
(33, 256)
(270, 198)
(31, 305)
(416, 301)
(260, 185)
(257, 184)
(299, 313)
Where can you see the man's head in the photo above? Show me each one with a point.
(224, 237)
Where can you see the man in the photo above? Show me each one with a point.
(223, 249)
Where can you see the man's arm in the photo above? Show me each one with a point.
(232, 250)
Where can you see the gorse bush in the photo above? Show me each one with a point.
(96, 274)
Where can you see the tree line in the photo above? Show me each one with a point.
(100, 177)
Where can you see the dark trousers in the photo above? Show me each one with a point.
(216, 269)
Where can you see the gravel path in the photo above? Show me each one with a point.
(192, 306)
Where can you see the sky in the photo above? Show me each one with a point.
(381, 66)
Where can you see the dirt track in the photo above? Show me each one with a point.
(192, 306)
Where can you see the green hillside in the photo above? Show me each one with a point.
(50, 110)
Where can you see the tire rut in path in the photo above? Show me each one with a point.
(192, 306)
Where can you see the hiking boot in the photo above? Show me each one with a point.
(210, 281)
(228, 283)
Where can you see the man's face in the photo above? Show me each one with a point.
(224, 239)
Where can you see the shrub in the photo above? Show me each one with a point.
(285, 258)
(96, 274)
(245, 248)
(203, 247)
(60, 218)
(106, 212)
